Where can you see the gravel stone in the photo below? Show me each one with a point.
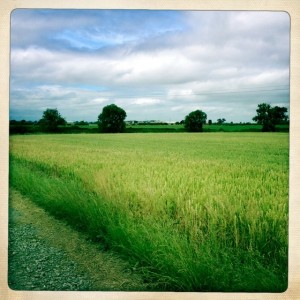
(34, 265)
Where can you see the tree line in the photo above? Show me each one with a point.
(112, 119)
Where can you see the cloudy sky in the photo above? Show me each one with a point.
(156, 65)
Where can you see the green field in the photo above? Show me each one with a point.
(147, 128)
(206, 128)
(195, 212)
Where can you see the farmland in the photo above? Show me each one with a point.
(29, 128)
(196, 212)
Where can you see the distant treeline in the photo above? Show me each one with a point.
(33, 127)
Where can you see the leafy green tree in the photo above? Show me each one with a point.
(51, 120)
(221, 121)
(269, 116)
(194, 121)
(111, 120)
(280, 115)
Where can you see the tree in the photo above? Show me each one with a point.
(280, 115)
(81, 123)
(269, 116)
(51, 120)
(194, 121)
(221, 121)
(112, 119)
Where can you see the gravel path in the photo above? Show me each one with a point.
(47, 254)
(34, 265)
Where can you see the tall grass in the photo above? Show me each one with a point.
(197, 212)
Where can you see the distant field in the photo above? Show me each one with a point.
(93, 128)
(197, 212)
(206, 127)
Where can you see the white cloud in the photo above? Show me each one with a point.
(99, 100)
(270, 77)
(146, 101)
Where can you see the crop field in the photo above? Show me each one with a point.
(194, 212)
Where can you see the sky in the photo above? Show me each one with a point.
(156, 65)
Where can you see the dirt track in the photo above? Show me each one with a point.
(47, 254)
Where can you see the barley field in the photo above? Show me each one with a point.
(195, 212)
